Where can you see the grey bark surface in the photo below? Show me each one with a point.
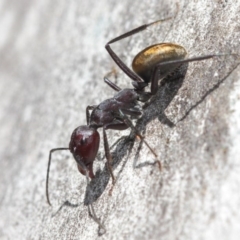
(52, 63)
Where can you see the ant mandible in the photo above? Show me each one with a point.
(149, 66)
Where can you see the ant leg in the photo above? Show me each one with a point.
(130, 124)
(111, 84)
(108, 154)
(117, 60)
(48, 169)
(175, 63)
(90, 107)
(93, 215)
(91, 210)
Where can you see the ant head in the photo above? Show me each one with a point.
(84, 146)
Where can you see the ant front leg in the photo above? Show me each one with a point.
(117, 60)
(115, 125)
(108, 154)
(91, 210)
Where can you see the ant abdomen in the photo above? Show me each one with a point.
(145, 61)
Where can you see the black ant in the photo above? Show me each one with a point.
(152, 64)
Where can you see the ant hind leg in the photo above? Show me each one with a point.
(116, 58)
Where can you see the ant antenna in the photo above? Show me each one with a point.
(48, 169)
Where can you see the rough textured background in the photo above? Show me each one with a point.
(52, 63)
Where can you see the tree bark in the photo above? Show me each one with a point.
(51, 68)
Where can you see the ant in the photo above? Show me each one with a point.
(152, 64)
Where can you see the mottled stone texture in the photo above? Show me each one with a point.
(52, 63)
